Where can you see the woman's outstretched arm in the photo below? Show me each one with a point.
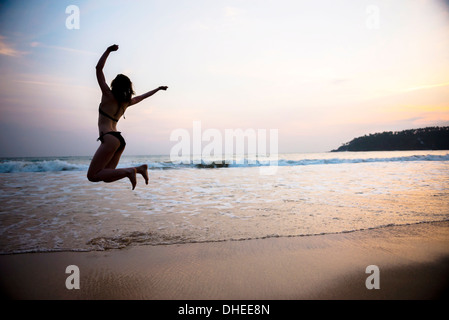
(99, 67)
(137, 99)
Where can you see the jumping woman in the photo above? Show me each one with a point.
(114, 102)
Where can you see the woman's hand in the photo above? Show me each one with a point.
(114, 47)
(163, 88)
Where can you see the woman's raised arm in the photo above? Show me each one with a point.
(99, 67)
(137, 99)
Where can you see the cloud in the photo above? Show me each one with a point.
(233, 14)
(445, 4)
(77, 51)
(429, 86)
(8, 50)
(338, 81)
(232, 11)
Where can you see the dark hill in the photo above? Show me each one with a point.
(430, 138)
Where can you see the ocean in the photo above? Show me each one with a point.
(47, 204)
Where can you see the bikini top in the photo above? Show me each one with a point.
(106, 115)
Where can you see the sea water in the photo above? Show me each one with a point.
(47, 204)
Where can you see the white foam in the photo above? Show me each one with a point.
(193, 205)
(39, 166)
(82, 163)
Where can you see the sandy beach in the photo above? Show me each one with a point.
(413, 261)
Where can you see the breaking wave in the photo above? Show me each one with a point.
(161, 163)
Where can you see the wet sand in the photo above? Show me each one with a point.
(413, 261)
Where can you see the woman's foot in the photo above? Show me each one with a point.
(132, 176)
(143, 170)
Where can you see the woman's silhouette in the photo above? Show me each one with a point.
(114, 102)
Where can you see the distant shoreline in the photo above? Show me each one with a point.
(429, 138)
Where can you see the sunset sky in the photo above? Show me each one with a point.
(321, 72)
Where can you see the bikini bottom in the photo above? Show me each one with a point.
(115, 134)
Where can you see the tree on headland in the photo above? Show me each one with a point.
(430, 138)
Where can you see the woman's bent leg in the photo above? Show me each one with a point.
(111, 175)
(98, 170)
(143, 169)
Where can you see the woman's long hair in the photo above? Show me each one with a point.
(122, 89)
